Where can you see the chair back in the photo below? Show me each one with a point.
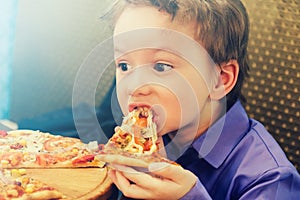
(272, 91)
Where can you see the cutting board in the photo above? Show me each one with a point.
(79, 183)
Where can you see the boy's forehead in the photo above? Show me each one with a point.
(145, 27)
(161, 39)
(133, 18)
(147, 38)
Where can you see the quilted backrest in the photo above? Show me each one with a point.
(273, 88)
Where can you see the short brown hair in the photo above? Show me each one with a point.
(223, 29)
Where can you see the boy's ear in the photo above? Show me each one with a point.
(227, 78)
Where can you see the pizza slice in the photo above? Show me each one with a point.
(135, 142)
(137, 134)
(15, 185)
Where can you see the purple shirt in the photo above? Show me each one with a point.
(245, 163)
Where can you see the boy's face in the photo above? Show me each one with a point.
(160, 65)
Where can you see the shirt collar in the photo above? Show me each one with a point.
(220, 139)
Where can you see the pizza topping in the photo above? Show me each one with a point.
(83, 159)
(93, 146)
(10, 158)
(46, 159)
(3, 133)
(59, 143)
(17, 172)
(16, 146)
(137, 134)
(142, 122)
(14, 191)
(148, 144)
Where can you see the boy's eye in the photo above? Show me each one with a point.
(124, 67)
(162, 67)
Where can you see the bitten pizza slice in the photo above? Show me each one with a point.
(137, 134)
(135, 141)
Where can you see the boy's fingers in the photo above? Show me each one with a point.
(173, 172)
(130, 189)
(124, 168)
(136, 184)
(133, 175)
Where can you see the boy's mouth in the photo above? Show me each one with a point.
(144, 109)
(158, 112)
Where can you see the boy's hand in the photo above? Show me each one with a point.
(166, 181)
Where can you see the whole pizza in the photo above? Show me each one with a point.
(26, 149)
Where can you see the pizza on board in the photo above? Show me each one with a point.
(24, 150)
(35, 149)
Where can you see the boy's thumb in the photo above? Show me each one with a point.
(157, 166)
(164, 169)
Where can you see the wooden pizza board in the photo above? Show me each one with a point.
(78, 183)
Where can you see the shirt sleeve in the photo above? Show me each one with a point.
(278, 183)
(197, 192)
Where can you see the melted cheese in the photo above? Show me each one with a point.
(148, 132)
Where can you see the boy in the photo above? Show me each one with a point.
(195, 97)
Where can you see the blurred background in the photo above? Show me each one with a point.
(48, 41)
(43, 44)
(8, 11)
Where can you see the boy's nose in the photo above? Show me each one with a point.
(141, 91)
(137, 88)
(138, 82)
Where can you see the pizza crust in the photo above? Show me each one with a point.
(42, 195)
(124, 160)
